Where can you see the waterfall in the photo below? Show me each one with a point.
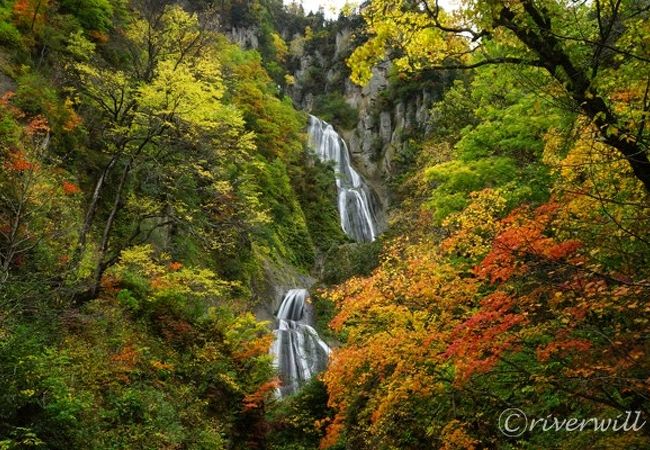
(358, 218)
(298, 352)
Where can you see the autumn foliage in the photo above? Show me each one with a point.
(422, 330)
(155, 189)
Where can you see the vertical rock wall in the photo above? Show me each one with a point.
(384, 122)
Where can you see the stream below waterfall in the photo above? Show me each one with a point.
(298, 351)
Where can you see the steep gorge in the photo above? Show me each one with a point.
(199, 213)
(375, 125)
(298, 351)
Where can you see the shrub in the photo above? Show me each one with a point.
(334, 109)
(92, 14)
(9, 35)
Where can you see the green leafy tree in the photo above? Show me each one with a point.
(171, 86)
(586, 49)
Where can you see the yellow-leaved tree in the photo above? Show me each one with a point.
(169, 91)
(588, 49)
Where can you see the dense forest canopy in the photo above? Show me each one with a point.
(157, 185)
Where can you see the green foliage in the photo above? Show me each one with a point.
(296, 192)
(92, 14)
(146, 173)
(346, 261)
(325, 311)
(457, 111)
(317, 196)
(288, 236)
(499, 289)
(124, 377)
(499, 141)
(34, 94)
(334, 109)
(9, 34)
(278, 126)
(79, 47)
(181, 290)
(295, 422)
(512, 121)
(453, 180)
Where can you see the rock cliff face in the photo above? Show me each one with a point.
(388, 113)
(276, 278)
(381, 134)
(245, 37)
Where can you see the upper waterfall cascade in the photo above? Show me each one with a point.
(298, 352)
(355, 204)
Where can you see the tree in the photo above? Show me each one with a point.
(170, 91)
(502, 302)
(92, 14)
(588, 48)
(30, 14)
(438, 345)
(38, 203)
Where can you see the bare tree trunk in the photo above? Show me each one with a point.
(12, 237)
(103, 249)
(38, 6)
(92, 207)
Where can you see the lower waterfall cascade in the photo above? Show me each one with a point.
(298, 351)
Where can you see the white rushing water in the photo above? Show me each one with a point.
(298, 352)
(356, 208)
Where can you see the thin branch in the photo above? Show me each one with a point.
(434, 15)
(485, 62)
(601, 44)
